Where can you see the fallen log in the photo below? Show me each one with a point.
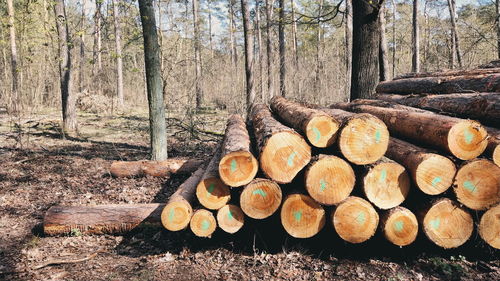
(319, 128)
(154, 168)
(445, 73)
(399, 226)
(489, 227)
(493, 149)
(442, 85)
(301, 216)
(329, 179)
(484, 107)
(102, 219)
(203, 223)
(237, 166)
(282, 151)
(355, 220)
(260, 198)
(432, 173)
(465, 139)
(178, 210)
(211, 191)
(446, 224)
(477, 184)
(230, 218)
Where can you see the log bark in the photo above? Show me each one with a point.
(260, 198)
(211, 191)
(355, 220)
(301, 216)
(283, 152)
(442, 85)
(102, 219)
(399, 226)
(489, 227)
(319, 128)
(329, 179)
(154, 168)
(237, 166)
(230, 218)
(465, 139)
(203, 223)
(432, 173)
(493, 149)
(477, 184)
(448, 73)
(484, 107)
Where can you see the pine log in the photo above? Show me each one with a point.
(154, 168)
(465, 139)
(493, 149)
(445, 73)
(211, 191)
(489, 227)
(477, 184)
(230, 218)
(237, 166)
(283, 152)
(385, 183)
(484, 107)
(178, 211)
(203, 223)
(301, 216)
(355, 220)
(446, 224)
(329, 179)
(399, 226)
(260, 198)
(103, 219)
(319, 128)
(442, 85)
(432, 173)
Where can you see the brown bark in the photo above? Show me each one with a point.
(399, 226)
(154, 168)
(301, 216)
(348, 46)
(415, 61)
(446, 73)
(211, 191)
(103, 219)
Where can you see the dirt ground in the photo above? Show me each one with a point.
(39, 169)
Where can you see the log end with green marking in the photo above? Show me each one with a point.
(321, 130)
(434, 174)
(176, 215)
(203, 223)
(212, 193)
(238, 168)
(399, 226)
(386, 184)
(355, 220)
(260, 198)
(467, 139)
(230, 218)
(301, 216)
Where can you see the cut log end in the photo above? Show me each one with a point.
(386, 185)
(435, 174)
(230, 218)
(329, 180)
(284, 155)
(496, 155)
(489, 227)
(176, 215)
(301, 216)
(477, 184)
(203, 223)
(364, 139)
(321, 131)
(467, 139)
(260, 198)
(400, 226)
(238, 168)
(447, 225)
(212, 193)
(355, 220)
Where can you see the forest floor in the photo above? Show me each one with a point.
(39, 169)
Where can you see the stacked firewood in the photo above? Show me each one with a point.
(365, 166)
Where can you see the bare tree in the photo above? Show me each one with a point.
(294, 36)
(498, 26)
(415, 62)
(282, 47)
(454, 34)
(234, 54)
(119, 61)
(319, 48)
(14, 104)
(348, 45)
(97, 56)
(210, 39)
(158, 137)
(269, 48)
(197, 56)
(394, 45)
(81, 80)
(259, 48)
(248, 37)
(383, 63)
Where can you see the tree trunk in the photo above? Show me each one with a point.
(355, 219)
(203, 223)
(384, 64)
(81, 80)
(237, 166)
(234, 53)
(67, 96)
(158, 134)
(348, 48)
(197, 56)
(154, 168)
(230, 218)
(447, 73)
(269, 48)
(97, 57)
(282, 47)
(415, 61)
(15, 100)
(260, 57)
(209, 8)
(294, 37)
(497, 6)
(301, 216)
(394, 45)
(399, 226)
(489, 226)
(454, 33)
(366, 40)
(260, 198)
(211, 191)
(319, 43)
(119, 60)
(249, 70)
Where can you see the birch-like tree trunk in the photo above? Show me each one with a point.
(248, 38)
(15, 101)
(383, 63)
(348, 46)
(269, 48)
(319, 48)
(210, 39)
(282, 47)
(415, 61)
(234, 53)
(394, 43)
(81, 72)
(454, 33)
(97, 56)
(197, 56)
(119, 60)
(259, 48)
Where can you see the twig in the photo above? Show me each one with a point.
(60, 261)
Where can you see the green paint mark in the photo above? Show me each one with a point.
(298, 215)
(398, 226)
(171, 214)
(436, 180)
(322, 184)
(317, 133)
(470, 186)
(205, 225)
(383, 176)
(468, 136)
(233, 166)
(435, 223)
(378, 136)
(211, 188)
(260, 192)
(361, 218)
(230, 215)
(290, 158)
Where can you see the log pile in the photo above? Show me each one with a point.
(393, 168)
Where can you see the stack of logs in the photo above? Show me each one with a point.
(365, 166)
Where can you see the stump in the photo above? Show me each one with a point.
(203, 223)
(399, 226)
(355, 220)
(230, 218)
(260, 198)
(301, 216)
